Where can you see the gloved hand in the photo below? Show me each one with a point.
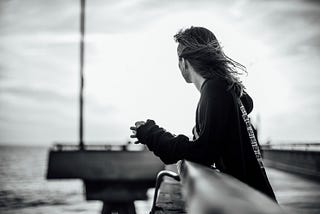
(141, 129)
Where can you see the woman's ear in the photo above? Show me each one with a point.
(184, 63)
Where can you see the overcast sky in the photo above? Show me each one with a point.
(131, 66)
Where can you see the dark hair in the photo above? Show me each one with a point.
(201, 48)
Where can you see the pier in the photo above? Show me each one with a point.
(295, 194)
(293, 171)
(302, 159)
(117, 177)
(114, 175)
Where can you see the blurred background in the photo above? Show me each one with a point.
(131, 73)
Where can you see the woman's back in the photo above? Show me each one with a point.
(232, 147)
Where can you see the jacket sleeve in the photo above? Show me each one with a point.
(167, 147)
(171, 148)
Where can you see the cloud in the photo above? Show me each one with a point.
(131, 68)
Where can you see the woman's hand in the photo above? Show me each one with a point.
(134, 129)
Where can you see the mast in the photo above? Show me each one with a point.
(82, 30)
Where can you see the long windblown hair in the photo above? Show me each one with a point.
(201, 48)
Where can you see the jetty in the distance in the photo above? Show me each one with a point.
(115, 175)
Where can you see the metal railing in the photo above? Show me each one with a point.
(96, 147)
(206, 190)
(293, 146)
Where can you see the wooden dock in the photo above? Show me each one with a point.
(295, 194)
(170, 198)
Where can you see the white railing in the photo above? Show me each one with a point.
(293, 146)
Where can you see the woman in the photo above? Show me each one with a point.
(221, 136)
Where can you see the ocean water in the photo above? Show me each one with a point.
(24, 188)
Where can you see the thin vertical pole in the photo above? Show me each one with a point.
(82, 31)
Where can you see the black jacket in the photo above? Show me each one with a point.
(223, 139)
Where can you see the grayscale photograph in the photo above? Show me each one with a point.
(159, 107)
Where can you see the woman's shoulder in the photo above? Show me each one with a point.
(215, 92)
(214, 86)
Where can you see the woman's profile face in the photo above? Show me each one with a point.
(179, 50)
